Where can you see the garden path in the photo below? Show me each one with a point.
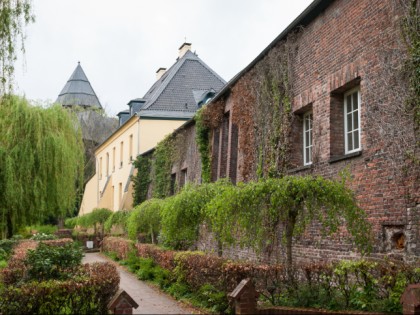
(150, 300)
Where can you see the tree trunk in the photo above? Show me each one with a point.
(9, 227)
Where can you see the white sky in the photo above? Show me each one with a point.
(121, 44)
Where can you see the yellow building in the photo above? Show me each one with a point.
(173, 99)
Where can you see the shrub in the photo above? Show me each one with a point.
(145, 218)
(88, 293)
(118, 218)
(7, 245)
(92, 219)
(43, 237)
(70, 223)
(28, 231)
(53, 262)
(183, 213)
(120, 246)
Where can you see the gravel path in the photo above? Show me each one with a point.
(150, 300)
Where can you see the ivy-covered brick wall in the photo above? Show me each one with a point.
(256, 126)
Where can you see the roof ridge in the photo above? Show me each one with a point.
(173, 70)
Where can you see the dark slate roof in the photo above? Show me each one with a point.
(174, 95)
(78, 91)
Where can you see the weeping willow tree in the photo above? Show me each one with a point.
(14, 15)
(41, 163)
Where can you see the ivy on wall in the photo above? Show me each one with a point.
(410, 27)
(142, 180)
(161, 167)
(203, 143)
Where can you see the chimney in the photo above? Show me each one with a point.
(160, 72)
(183, 49)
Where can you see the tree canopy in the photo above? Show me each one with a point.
(14, 15)
(41, 163)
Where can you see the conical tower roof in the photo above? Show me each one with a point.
(78, 91)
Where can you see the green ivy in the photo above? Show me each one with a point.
(162, 163)
(183, 213)
(202, 137)
(142, 180)
(411, 34)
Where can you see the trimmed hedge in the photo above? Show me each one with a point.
(353, 285)
(88, 293)
(120, 246)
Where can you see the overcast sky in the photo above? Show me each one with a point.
(121, 44)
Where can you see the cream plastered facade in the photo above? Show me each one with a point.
(111, 186)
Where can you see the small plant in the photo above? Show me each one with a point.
(43, 237)
(53, 262)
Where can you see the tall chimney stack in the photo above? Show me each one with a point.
(160, 72)
(183, 49)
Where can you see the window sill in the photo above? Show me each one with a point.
(299, 169)
(344, 157)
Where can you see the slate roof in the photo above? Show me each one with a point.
(175, 94)
(78, 91)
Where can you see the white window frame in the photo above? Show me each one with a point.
(308, 115)
(346, 127)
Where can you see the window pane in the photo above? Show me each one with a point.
(356, 120)
(348, 104)
(356, 140)
(349, 142)
(355, 101)
(308, 156)
(349, 123)
(306, 123)
(306, 139)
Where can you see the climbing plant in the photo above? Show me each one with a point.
(203, 143)
(410, 26)
(41, 163)
(14, 15)
(162, 163)
(259, 214)
(183, 213)
(142, 179)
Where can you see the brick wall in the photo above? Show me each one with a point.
(349, 44)
(346, 46)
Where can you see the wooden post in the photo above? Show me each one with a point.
(245, 298)
(411, 300)
(122, 303)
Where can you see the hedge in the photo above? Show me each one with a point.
(88, 293)
(359, 285)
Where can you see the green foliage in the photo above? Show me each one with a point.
(411, 34)
(162, 164)
(3, 264)
(202, 137)
(257, 210)
(142, 180)
(70, 223)
(28, 231)
(43, 237)
(146, 219)
(88, 292)
(53, 262)
(41, 163)
(7, 246)
(14, 14)
(117, 218)
(183, 213)
(92, 219)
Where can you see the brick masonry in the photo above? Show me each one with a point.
(349, 44)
